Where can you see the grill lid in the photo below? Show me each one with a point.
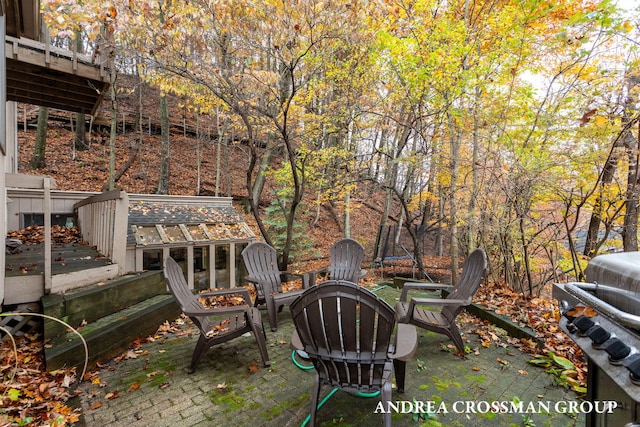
(618, 279)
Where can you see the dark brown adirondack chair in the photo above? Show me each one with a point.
(347, 333)
(345, 262)
(217, 325)
(460, 295)
(261, 261)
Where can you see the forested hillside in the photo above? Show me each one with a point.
(506, 125)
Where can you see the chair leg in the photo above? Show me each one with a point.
(454, 334)
(385, 396)
(201, 346)
(273, 314)
(315, 398)
(400, 367)
(259, 334)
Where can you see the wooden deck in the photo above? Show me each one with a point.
(66, 258)
(40, 74)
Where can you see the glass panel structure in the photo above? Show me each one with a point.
(152, 259)
(223, 263)
(201, 268)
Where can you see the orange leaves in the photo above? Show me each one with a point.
(540, 314)
(221, 300)
(580, 310)
(30, 393)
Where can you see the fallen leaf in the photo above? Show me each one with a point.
(111, 396)
(134, 386)
(580, 310)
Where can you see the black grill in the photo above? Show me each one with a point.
(610, 339)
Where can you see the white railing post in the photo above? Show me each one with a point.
(120, 224)
(47, 235)
(102, 220)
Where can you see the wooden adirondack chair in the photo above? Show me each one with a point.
(460, 295)
(346, 257)
(347, 332)
(261, 261)
(217, 325)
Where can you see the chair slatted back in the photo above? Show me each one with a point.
(473, 272)
(346, 258)
(180, 290)
(261, 261)
(346, 330)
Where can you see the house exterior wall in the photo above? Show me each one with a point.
(32, 201)
(3, 143)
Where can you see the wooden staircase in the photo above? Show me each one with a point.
(109, 316)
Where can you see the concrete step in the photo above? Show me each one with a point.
(110, 335)
(90, 303)
(109, 316)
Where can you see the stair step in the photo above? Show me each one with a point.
(110, 335)
(90, 303)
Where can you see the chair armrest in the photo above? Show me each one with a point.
(421, 286)
(295, 343)
(306, 278)
(439, 301)
(406, 342)
(312, 275)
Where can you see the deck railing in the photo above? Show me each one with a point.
(102, 220)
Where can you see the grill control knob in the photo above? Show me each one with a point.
(616, 349)
(598, 335)
(633, 366)
(583, 323)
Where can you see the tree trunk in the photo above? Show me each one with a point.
(453, 204)
(632, 145)
(163, 180)
(37, 161)
(441, 216)
(80, 137)
(630, 227)
(347, 215)
(113, 132)
(133, 154)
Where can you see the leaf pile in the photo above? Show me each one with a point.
(540, 314)
(30, 395)
(212, 301)
(34, 235)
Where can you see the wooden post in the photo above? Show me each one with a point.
(47, 235)
(119, 243)
(190, 270)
